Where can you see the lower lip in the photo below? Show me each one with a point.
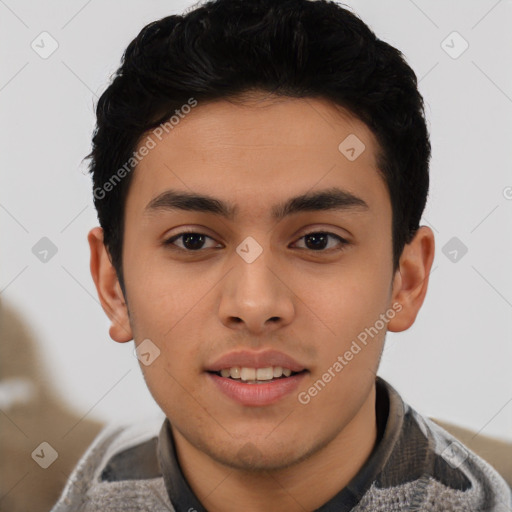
(257, 394)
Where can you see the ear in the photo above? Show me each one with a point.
(109, 290)
(411, 278)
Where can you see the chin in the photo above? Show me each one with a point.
(258, 457)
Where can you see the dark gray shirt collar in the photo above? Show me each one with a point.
(390, 414)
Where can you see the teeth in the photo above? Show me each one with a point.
(248, 374)
(264, 373)
(255, 374)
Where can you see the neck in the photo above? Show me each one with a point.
(327, 471)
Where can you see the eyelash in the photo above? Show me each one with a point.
(170, 241)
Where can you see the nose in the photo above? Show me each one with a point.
(256, 295)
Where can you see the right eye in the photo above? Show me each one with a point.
(192, 241)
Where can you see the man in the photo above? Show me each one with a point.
(260, 169)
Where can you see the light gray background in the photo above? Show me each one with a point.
(453, 364)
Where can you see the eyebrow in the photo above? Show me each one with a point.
(332, 199)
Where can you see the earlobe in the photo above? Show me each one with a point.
(411, 279)
(107, 285)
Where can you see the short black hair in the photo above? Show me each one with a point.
(292, 48)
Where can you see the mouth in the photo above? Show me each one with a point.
(256, 387)
(248, 375)
(256, 378)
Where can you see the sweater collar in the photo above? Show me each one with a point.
(389, 412)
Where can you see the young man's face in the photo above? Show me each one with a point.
(306, 298)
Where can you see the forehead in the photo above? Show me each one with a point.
(259, 146)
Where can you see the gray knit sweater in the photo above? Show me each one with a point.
(415, 466)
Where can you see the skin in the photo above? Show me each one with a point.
(197, 307)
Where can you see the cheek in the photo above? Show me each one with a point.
(160, 295)
(172, 391)
(350, 306)
(351, 300)
(172, 377)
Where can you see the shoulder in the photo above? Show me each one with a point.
(119, 468)
(486, 486)
(428, 468)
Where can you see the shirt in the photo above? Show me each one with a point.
(415, 466)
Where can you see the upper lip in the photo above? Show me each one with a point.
(248, 359)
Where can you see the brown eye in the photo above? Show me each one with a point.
(191, 241)
(319, 240)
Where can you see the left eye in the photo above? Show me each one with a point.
(315, 241)
(319, 239)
